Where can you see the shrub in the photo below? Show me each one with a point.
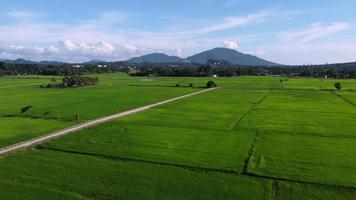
(338, 86)
(190, 84)
(177, 85)
(76, 118)
(26, 109)
(211, 84)
(45, 114)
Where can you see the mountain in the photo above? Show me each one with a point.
(48, 62)
(92, 62)
(229, 55)
(19, 61)
(156, 57)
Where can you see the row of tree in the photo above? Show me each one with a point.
(73, 82)
(201, 71)
(7, 69)
(223, 68)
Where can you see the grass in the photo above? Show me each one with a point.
(193, 132)
(296, 191)
(14, 129)
(321, 160)
(68, 176)
(303, 113)
(254, 138)
(62, 105)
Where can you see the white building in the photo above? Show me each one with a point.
(77, 66)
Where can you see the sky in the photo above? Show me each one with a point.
(286, 32)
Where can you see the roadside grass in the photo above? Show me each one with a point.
(39, 174)
(14, 129)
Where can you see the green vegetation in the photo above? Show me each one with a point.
(248, 139)
(211, 84)
(338, 86)
(73, 82)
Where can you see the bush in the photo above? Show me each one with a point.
(338, 86)
(26, 109)
(191, 85)
(46, 114)
(177, 85)
(76, 118)
(211, 84)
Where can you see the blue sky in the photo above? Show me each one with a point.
(298, 32)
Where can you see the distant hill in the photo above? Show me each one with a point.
(229, 55)
(92, 62)
(45, 62)
(156, 57)
(20, 61)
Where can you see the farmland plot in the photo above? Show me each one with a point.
(175, 133)
(42, 174)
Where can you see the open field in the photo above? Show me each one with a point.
(251, 139)
(59, 106)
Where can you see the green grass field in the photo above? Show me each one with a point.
(253, 138)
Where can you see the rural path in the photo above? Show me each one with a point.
(59, 133)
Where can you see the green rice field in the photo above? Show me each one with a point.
(252, 138)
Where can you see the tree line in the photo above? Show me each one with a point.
(73, 82)
(202, 71)
(9, 69)
(223, 68)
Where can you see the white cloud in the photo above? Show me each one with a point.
(179, 52)
(69, 45)
(69, 51)
(231, 44)
(232, 2)
(23, 15)
(233, 22)
(316, 31)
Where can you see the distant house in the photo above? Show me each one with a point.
(215, 75)
(101, 66)
(77, 66)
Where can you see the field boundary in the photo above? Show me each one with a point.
(251, 109)
(207, 169)
(65, 131)
(147, 161)
(250, 154)
(344, 98)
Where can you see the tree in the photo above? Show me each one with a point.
(190, 84)
(211, 84)
(338, 86)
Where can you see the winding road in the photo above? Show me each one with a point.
(59, 133)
